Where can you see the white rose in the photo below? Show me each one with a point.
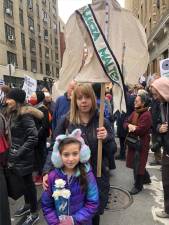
(66, 193)
(57, 194)
(60, 183)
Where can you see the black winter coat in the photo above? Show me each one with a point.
(164, 136)
(155, 108)
(24, 137)
(42, 124)
(121, 117)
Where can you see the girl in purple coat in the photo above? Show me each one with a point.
(72, 196)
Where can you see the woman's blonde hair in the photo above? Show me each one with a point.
(84, 89)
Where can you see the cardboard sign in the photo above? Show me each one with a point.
(29, 86)
(164, 68)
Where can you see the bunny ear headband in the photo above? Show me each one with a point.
(84, 151)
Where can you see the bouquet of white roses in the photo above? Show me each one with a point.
(61, 196)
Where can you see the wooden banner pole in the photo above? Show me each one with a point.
(101, 122)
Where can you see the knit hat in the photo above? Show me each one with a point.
(40, 96)
(17, 94)
(162, 87)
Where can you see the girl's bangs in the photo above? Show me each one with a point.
(83, 90)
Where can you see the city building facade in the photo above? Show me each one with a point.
(29, 38)
(62, 39)
(154, 16)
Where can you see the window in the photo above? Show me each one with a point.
(165, 54)
(40, 50)
(46, 34)
(38, 28)
(150, 25)
(154, 65)
(145, 9)
(48, 69)
(46, 52)
(21, 17)
(31, 24)
(158, 4)
(32, 46)
(23, 40)
(54, 4)
(52, 55)
(24, 63)
(10, 33)
(11, 58)
(49, 7)
(55, 27)
(141, 14)
(56, 57)
(57, 72)
(50, 22)
(44, 16)
(8, 7)
(54, 11)
(56, 43)
(37, 10)
(33, 66)
(52, 72)
(41, 68)
(30, 5)
(51, 39)
(44, 2)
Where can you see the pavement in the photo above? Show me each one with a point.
(140, 212)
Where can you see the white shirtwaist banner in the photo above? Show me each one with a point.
(103, 51)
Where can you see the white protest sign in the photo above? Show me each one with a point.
(1, 82)
(29, 85)
(164, 68)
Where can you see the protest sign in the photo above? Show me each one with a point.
(164, 68)
(29, 86)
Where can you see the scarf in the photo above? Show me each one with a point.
(137, 114)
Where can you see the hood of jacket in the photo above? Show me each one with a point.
(162, 86)
(27, 109)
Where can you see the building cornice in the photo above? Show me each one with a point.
(160, 28)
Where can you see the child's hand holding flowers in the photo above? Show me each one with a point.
(66, 220)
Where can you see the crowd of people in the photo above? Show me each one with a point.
(55, 144)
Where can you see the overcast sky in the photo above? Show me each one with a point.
(67, 7)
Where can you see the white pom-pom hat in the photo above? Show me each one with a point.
(84, 151)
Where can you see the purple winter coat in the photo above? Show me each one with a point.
(82, 206)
